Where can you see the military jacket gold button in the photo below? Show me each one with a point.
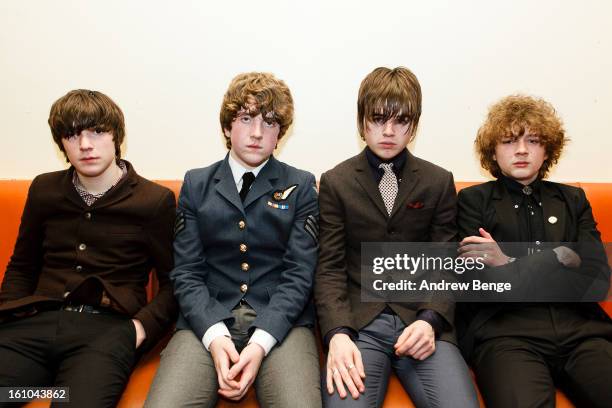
(243, 248)
(82, 247)
(244, 266)
(244, 288)
(88, 215)
(241, 224)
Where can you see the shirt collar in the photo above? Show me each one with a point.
(238, 169)
(398, 161)
(516, 189)
(90, 198)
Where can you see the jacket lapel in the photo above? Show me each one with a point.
(364, 177)
(69, 190)
(226, 186)
(504, 227)
(555, 214)
(262, 183)
(409, 180)
(121, 191)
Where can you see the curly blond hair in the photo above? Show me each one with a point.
(255, 93)
(513, 116)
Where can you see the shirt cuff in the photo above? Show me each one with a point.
(214, 331)
(264, 339)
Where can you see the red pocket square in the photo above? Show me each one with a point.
(416, 205)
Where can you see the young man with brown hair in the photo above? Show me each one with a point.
(245, 253)
(73, 305)
(520, 351)
(385, 194)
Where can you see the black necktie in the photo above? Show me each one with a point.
(247, 180)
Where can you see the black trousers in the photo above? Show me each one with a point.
(92, 354)
(550, 347)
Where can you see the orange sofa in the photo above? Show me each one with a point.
(12, 198)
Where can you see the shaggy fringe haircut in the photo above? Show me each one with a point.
(392, 93)
(82, 109)
(512, 116)
(255, 93)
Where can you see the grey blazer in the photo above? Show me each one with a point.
(352, 212)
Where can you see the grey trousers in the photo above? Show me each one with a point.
(442, 380)
(289, 375)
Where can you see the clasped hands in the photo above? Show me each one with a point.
(345, 367)
(230, 366)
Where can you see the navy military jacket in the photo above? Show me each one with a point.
(263, 250)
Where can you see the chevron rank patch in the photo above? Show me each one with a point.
(179, 223)
(312, 228)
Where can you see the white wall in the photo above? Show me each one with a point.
(167, 64)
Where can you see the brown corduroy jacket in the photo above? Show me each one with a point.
(68, 251)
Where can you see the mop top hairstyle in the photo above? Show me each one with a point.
(512, 117)
(254, 93)
(82, 109)
(389, 93)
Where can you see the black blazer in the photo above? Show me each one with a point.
(489, 206)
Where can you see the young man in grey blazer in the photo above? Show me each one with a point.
(385, 194)
(245, 255)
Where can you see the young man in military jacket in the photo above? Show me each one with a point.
(245, 253)
(73, 305)
(521, 350)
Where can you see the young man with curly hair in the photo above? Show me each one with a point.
(385, 194)
(245, 253)
(520, 351)
(73, 304)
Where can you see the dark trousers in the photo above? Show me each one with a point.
(92, 354)
(555, 347)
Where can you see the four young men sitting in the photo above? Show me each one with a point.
(252, 247)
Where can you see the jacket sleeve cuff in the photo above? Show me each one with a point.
(344, 330)
(214, 331)
(434, 319)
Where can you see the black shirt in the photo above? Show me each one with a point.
(398, 162)
(528, 205)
